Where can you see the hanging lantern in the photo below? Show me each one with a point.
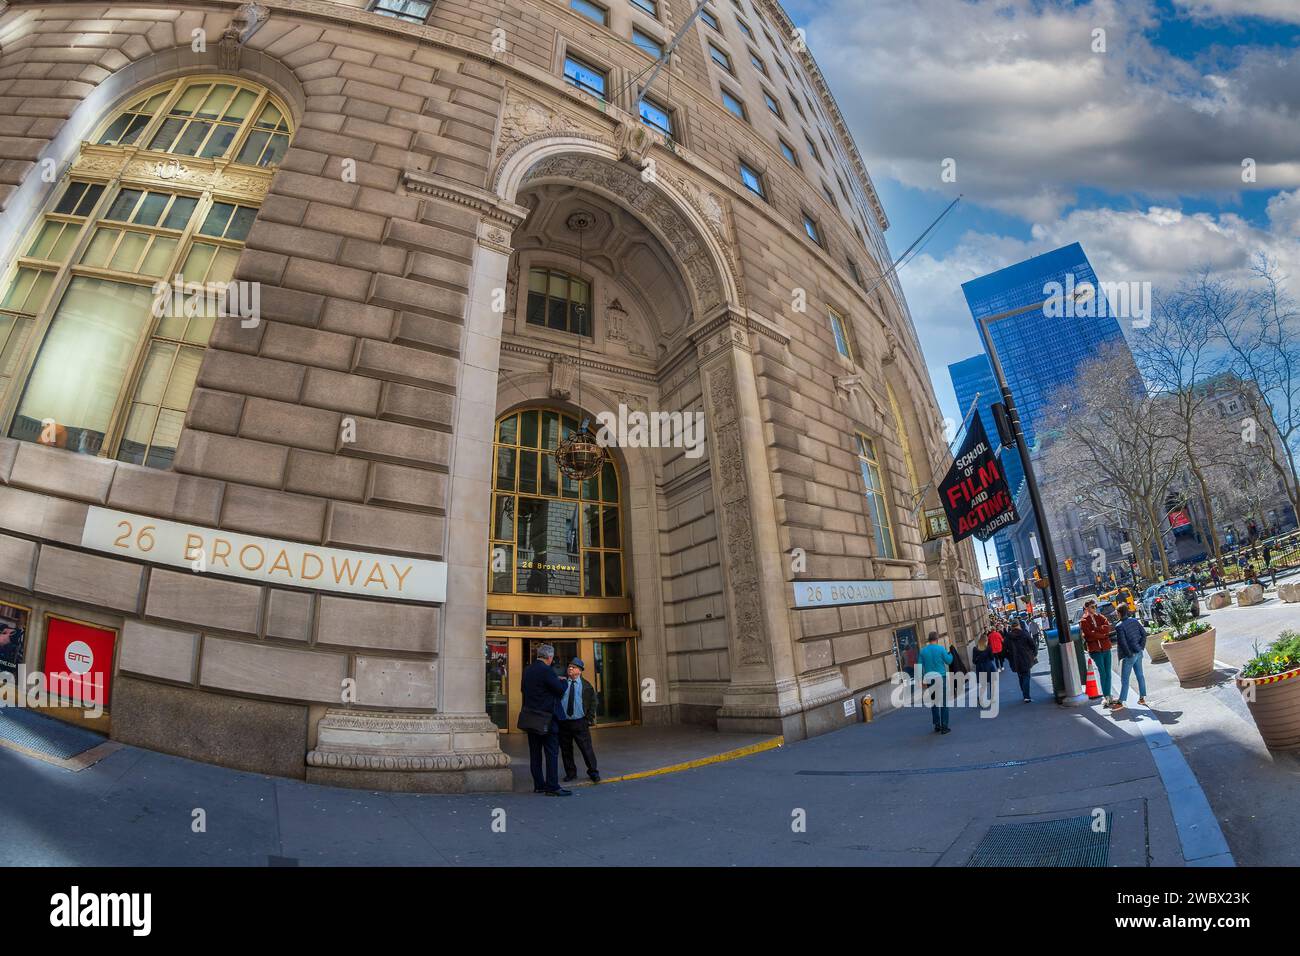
(580, 456)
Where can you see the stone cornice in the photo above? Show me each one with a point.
(622, 371)
(487, 204)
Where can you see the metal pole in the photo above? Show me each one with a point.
(1057, 608)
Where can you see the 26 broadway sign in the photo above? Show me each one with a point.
(974, 491)
(264, 560)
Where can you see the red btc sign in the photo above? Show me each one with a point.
(79, 661)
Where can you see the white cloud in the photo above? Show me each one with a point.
(1284, 10)
(1012, 90)
(1157, 245)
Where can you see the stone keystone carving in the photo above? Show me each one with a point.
(563, 372)
(248, 19)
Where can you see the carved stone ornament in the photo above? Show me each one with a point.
(634, 143)
(655, 209)
(248, 19)
(616, 321)
(196, 173)
(525, 119)
(564, 371)
(737, 530)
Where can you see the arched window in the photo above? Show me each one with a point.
(109, 306)
(554, 536)
(560, 301)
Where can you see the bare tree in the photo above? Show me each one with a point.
(1109, 447)
(1260, 332)
(1178, 357)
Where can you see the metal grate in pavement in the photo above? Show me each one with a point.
(1067, 842)
(45, 735)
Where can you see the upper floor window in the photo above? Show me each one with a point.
(414, 11)
(722, 58)
(877, 495)
(744, 28)
(752, 179)
(647, 43)
(812, 147)
(584, 76)
(840, 330)
(788, 152)
(656, 117)
(772, 105)
(592, 11)
(810, 228)
(207, 119)
(710, 19)
(758, 63)
(557, 300)
(649, 6)
(122, 280)
(795, 100)
(734, 104)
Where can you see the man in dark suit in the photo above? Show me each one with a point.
(541, 708)
(579, 706)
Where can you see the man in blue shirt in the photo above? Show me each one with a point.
(579, 705)
(933, 666)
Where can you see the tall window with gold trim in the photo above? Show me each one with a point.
(877, 495)
(551, 535)
(106, 312)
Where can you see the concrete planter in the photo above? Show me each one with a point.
(1274, 703)
(1192, 658)
(1156, 648)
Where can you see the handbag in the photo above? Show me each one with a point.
(534, 721)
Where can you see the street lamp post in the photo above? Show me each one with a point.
(1059, 617)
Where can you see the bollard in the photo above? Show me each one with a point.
(867, 703)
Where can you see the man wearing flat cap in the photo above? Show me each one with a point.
(578, 702)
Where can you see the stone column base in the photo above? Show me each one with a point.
(785, 707)
(427, 753)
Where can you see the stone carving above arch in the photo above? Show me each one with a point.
(656, 210)
(525, 120)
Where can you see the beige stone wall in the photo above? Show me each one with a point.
(377, 319)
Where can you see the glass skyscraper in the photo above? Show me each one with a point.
(1039, 354)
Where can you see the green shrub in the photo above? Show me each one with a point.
(1178, 617)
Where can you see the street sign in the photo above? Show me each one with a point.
(1126, 548)
(974, 492)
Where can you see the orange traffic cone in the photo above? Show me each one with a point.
(1093, 690)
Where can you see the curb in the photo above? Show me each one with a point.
(760, 747)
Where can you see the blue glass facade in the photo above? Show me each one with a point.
(1041, 354)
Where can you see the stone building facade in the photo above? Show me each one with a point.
(318, 537)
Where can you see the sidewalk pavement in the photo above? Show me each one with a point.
(887, 793)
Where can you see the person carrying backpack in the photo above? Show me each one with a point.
(1132, 639)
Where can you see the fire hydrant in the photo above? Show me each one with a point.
(867, 703)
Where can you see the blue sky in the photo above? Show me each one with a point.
(1135, 150)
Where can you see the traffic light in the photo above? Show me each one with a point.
(1069, 564)
(1038, 578)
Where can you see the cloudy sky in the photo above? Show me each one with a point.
(1136, 152)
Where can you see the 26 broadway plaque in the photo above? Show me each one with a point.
(831, 593)
(264, 560)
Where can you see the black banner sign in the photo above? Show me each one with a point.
(974, 492)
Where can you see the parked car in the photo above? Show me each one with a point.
(1155, 597)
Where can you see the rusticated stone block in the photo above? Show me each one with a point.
(358, 526)
(416, 406)
(204, 601)
(399, 363)
(152, 651)
(330, 476)
(351, 394)
(62, 472)
(407, 487)
(165, 494)
(250, 375)
(17, 562)
(269, 671)
(274, 513)
(386, 625)
(391, 441)
(90, 579)
(394, 682)
(283, 423)
(234, 459)
(289, 615)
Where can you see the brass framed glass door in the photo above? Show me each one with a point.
(556, 573)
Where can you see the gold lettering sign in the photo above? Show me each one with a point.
(264, 560)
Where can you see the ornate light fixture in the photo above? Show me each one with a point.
(579, 455)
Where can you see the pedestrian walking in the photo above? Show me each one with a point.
(1022, 653)
(1096, 637)
(982, 660)
(934, 660)
(579, 706)
(1217, 575)
(1132, 639)
(540, 716)
(996, 642)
